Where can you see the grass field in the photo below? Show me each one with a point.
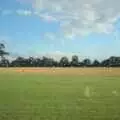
(60, 94)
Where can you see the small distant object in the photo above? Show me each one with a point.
(114, 92)
(87, 92)
(22, 70)
(53, 70)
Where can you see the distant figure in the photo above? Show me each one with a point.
(115, 93)
(87, 91)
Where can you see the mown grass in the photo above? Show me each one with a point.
(25, 96)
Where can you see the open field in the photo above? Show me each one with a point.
(60, 94)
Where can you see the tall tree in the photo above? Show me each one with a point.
(105, 63)
(3, 62)
(86, 62)
(114, 61)
(31, 62)
(75, 61)
(47, 62)
(96, 63)
(2, 51)
(64, 62)
(18, 62)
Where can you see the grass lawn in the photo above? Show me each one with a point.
(27, 96)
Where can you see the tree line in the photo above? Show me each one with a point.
(50, 62)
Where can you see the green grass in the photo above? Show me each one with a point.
(41, 97)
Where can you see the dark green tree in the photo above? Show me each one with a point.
(47, 62)
(86, 62)
(2, 51)
(96, 63)
(64, 62)
(3, 61)
(75, 61)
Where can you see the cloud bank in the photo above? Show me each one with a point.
(76, 17)
(81, 17)
(24, 12)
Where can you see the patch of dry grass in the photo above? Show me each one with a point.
(68, 71)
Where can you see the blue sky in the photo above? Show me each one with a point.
(34, 28)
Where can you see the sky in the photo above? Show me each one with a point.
(56, 28)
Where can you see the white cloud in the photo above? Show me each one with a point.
(18, 12)
(24, 12)
(50, 36)
(47, 17)
(81, 17)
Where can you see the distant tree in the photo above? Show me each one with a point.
(44, 61)
(81, 64)
(47, 62)
(31, 62)
(105, 63)
(64, 62)
(2, 51)
(55, 64)
(111, 62)
(75, 61)
(50, 62)
(114, 61)
(86, 62)
(4, 62)
(38, 62)
(96, 63)
(18, 62)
